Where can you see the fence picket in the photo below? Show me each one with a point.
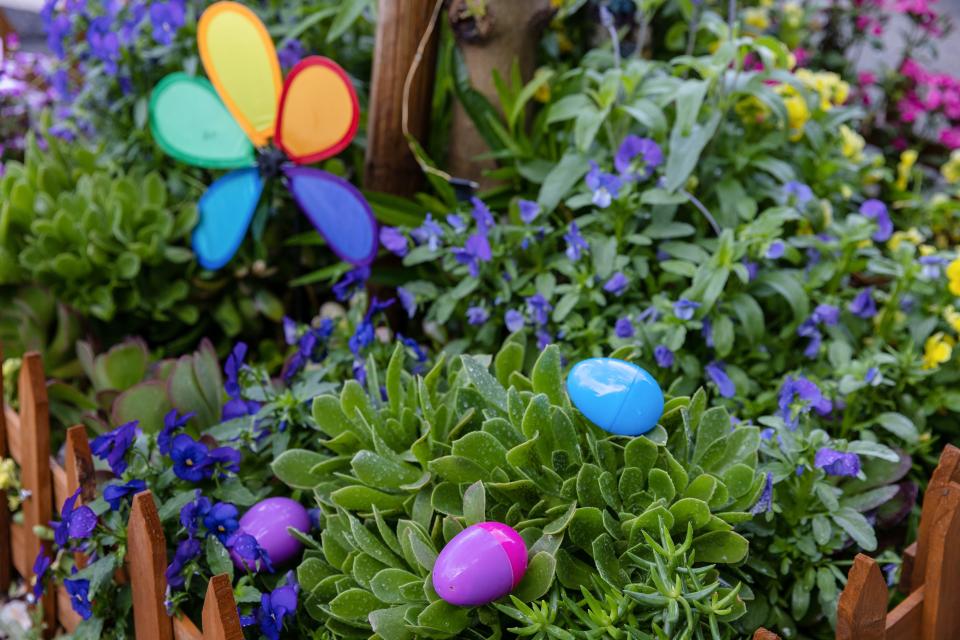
(147, 559)
(862, 610)
(941, 613)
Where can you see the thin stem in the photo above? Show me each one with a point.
(731, 16)
(706, 213)
(694, 27)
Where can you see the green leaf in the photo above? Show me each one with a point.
(485, 383)
(293, 468)
(387, 584)
(445, 617)
(349, 11)
(474, 503)
(310, 573)
(218, 558)
(899, 425)
(98, 573)
(146, 402)
(547, 375)
(558, 183)
(685, 150)
(354, 605)
(538, 578)
(689, 510)
(721, 547)
(857, 527)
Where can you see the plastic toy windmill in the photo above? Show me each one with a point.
(228, 122)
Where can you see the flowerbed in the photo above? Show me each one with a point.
(730, 210)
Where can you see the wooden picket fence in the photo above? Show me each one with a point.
(930, 575)
(25, 437)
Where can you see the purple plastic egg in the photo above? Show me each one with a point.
(482, 563)
(267, 522)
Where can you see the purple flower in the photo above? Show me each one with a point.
(807, 393)
(877, 211)
(931, 266)
(115, 494)
(650, 314)
(57, 28)
(477, 315)
(280, 603)
(221, 520)
(799, 192)
(394, 240)
(408, 301)
(623, 328)
(775, 250)
(307, 351)
(605, 186)
(617, 284)
(863, 305)
(79, 592)
(40, 567)
(837, 463)
(193, 513)
(826, 314)
(75, 523)
(765, 502)
(430, 233)
(753, 269)
(575, 242)
(167, 18)
(482, 215)
(707, 332)
(412, 344)
(363, 335)
(475, 251)
(663, 356)
(351, 282)
(189, 458)
(249, 551)
(717, 372)
(457, 223)
(514, 320)
(684, 309)
(113, 446)
(232, 368)
(633, 148)
(529, 210)
(104, 43)
(187, 550)
(172, 422)
(224, 458)
(291, 53)
(871, 374)
(808, 329)
(539, 309)
(543, 338)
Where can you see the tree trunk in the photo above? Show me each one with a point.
(389, 165)
(490, 34)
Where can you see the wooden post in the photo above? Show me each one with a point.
(6, 558)
(763, 634)
(492, 35)
(947, 472)
(220, 618)
(862, 610)
(941, 607)
(78, 463)
(35, 468)
(147, 561)
(390, 166)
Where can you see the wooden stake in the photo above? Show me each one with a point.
(220, 618)
(941, 607)
(35, 469)
(763, 634)
(390, 166)
(862, 610)
(947, 471)
(6, 559)
(78, 463)
(147, 560)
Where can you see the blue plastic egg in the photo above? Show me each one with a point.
(616, 395)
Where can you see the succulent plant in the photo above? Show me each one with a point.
(398, 475)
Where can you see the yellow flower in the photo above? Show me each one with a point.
(831, 89)
(953, 275)
(952, 316)
(756, 18)
(907, 159)
(8, 474)
(912, 236)
(951, 168)
(827, 210)
(927, 250)
(798, 113)
(937, 350)
(557, 4)
(751, 110)
(846, 191)
(542, 94)
(852, 143)
(793, 14)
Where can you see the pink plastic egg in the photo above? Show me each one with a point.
(267, 522)
(482, 563)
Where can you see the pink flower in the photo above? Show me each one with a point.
(951, 137)
(910, 109)
(933, 99)
(912, 69)
(866, 78)
(801, 56)
(900, 143)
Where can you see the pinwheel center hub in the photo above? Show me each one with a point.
(270, 161)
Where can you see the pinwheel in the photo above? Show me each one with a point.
(227, 122)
